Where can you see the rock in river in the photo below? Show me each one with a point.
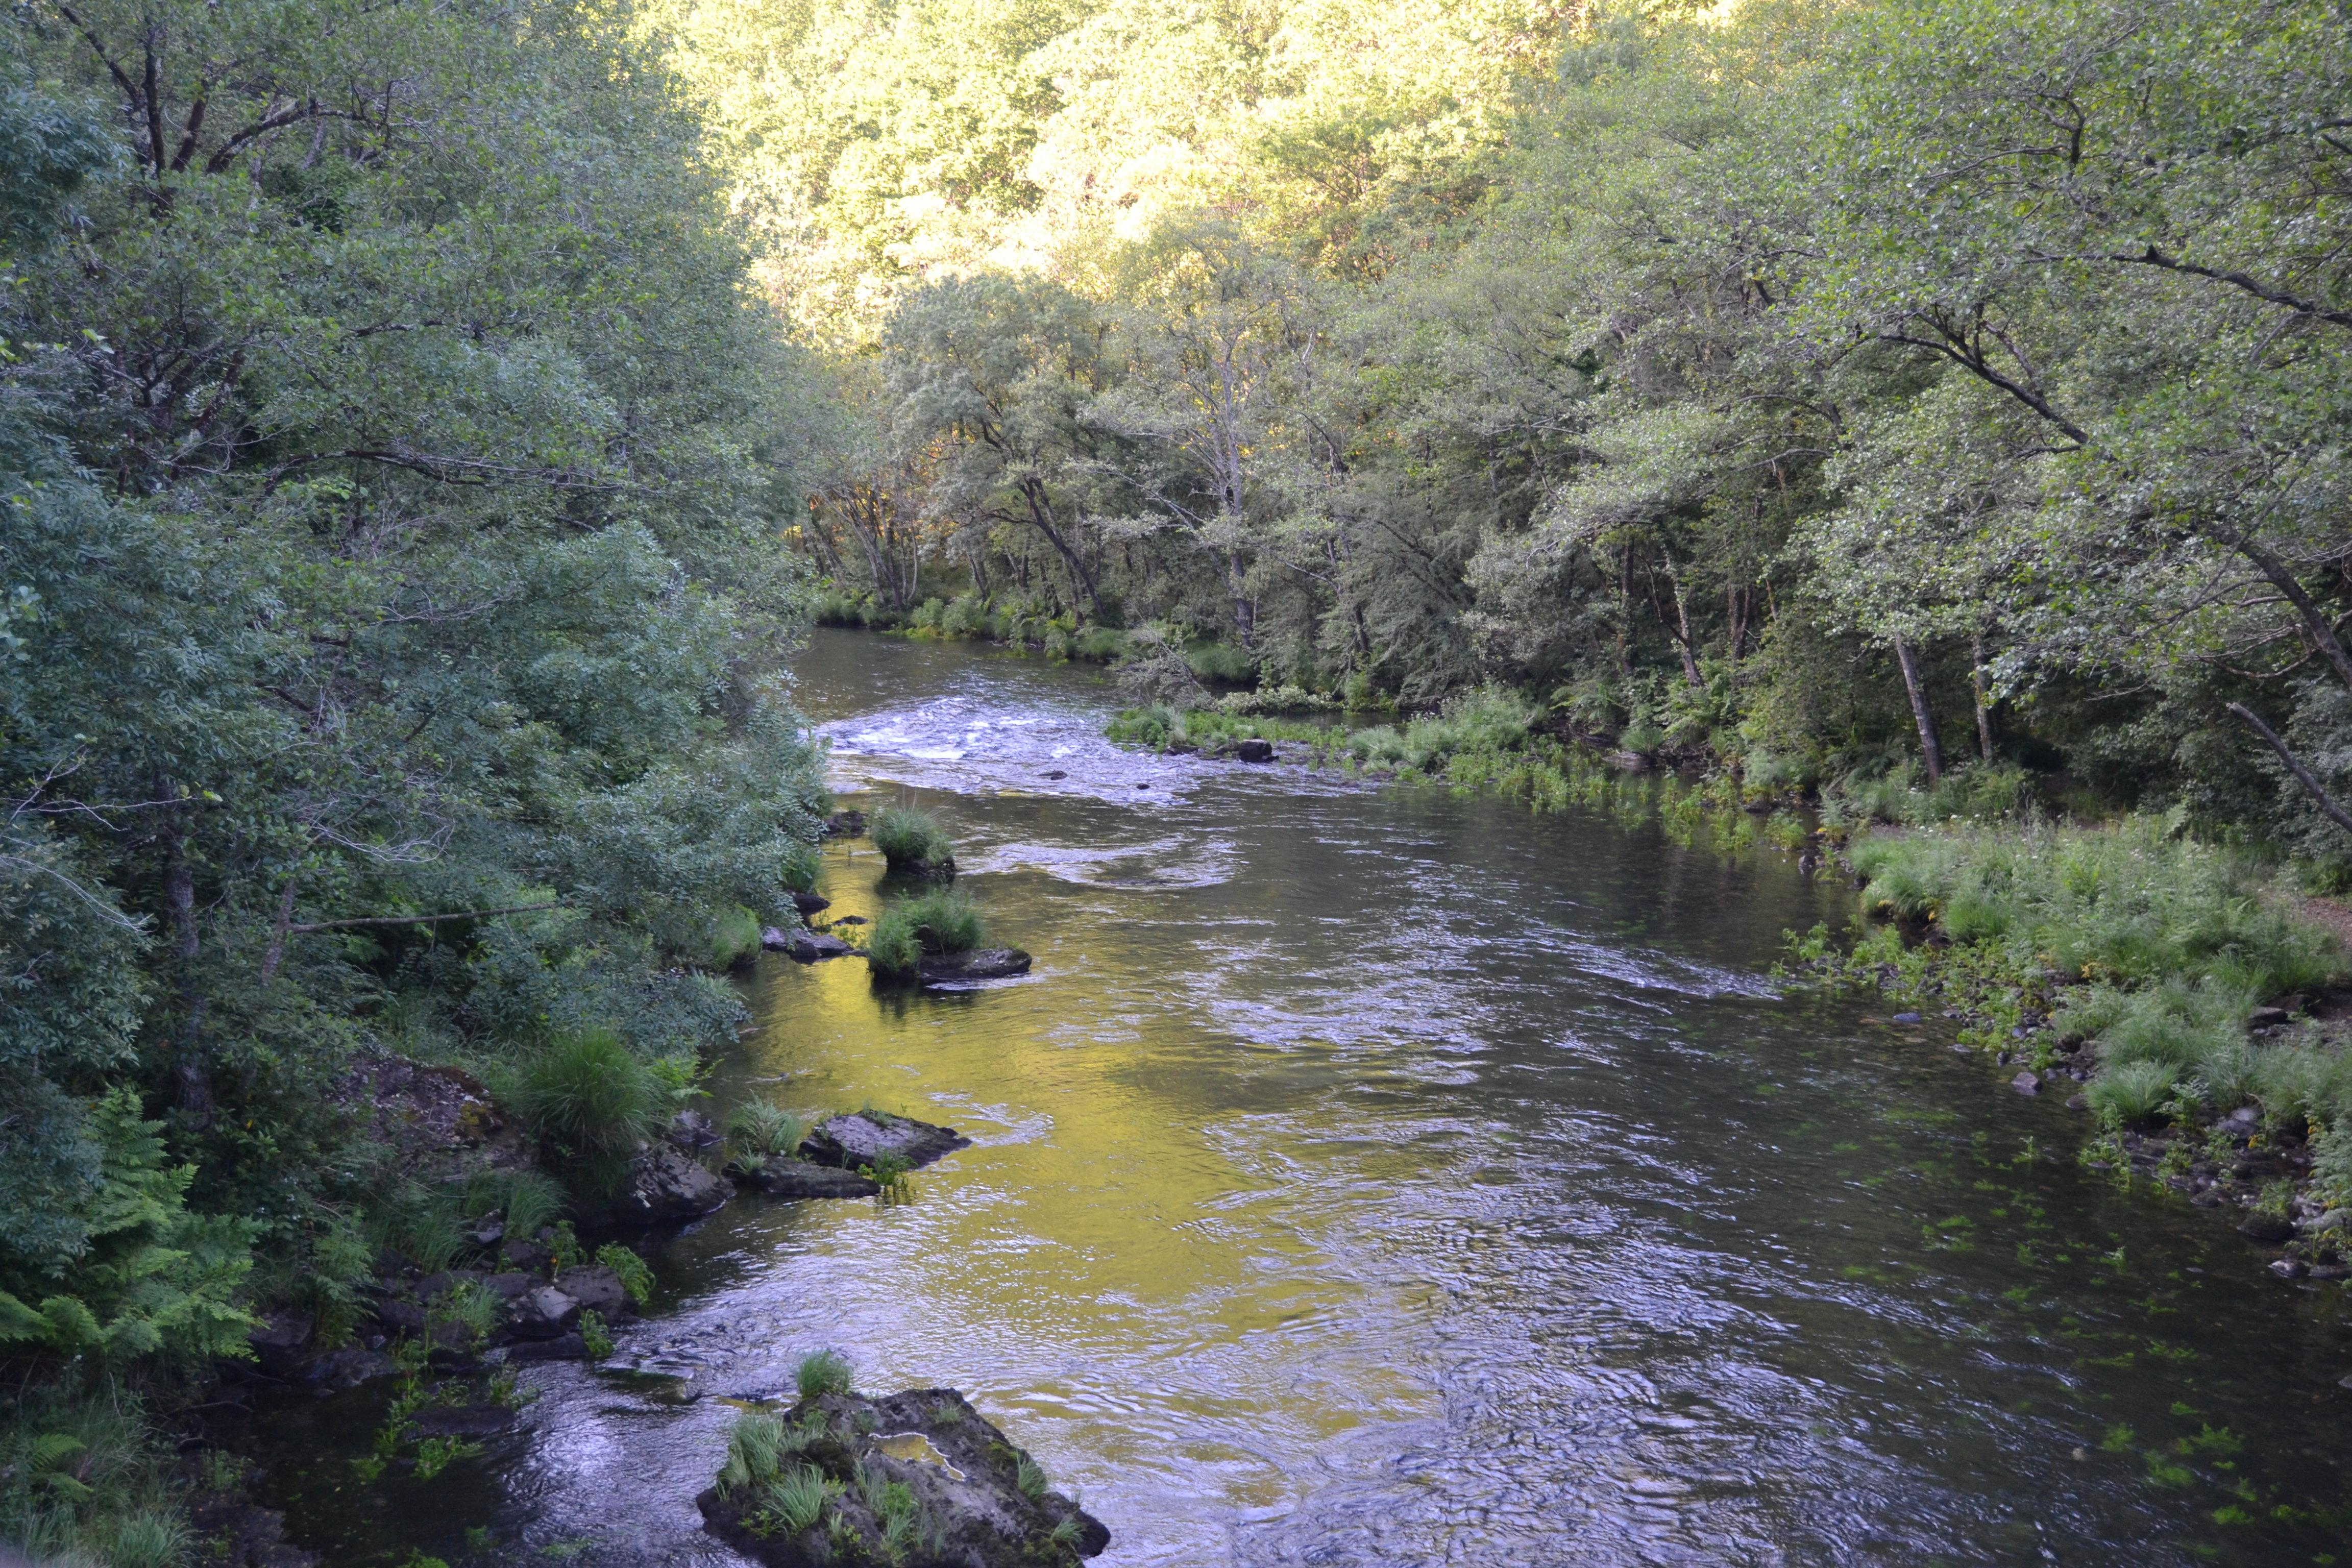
(664, 1184)
(987, 963)
(916, 1479)
(788, 1178)
(808, 946)
(862, 1137)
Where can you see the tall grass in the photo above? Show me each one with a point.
(764, 1128)
(943, 921)
(591, 1100)
(2132, 903)
(910, 840)
(2153, 947)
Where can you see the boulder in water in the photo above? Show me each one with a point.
(664, 1184)
(918, 1478)
(784, 1177)
(985, 963)
(808, 903)
(862, 1137)
(807, 946)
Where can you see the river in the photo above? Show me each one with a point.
(1390, 1176)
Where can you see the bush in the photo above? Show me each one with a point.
(1221, 661)
(590, 1100)
(911, 840)
(734, 938)
(1154, 727)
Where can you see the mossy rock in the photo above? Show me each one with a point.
(917, 1479)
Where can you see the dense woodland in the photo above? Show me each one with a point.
(424, 428)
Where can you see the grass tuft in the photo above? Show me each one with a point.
(822, 1372)
(911, 841)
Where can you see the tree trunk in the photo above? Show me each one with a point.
(1984, 714)
(192, 1086)
(1929, 747)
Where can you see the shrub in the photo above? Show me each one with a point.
(591, 1100)
(910, 840)
(892, 949)
(752, 1448)
(822, 1372)
(734, 938)
(1152, 727)
(1221, 661)
(762, 1128)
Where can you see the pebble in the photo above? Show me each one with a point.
(2026, 1083)
(1907, 1017)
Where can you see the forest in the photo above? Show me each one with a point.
(425, 431)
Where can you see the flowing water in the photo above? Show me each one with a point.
(1390, 1176)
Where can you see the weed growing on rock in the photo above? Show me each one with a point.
(822, 1372)
(635, 1277)
(595, 1334)
(911, 841)
(937, 922)
(765, 1130)
(797, 1497)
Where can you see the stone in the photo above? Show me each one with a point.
(2263, 1226)
(960, 968)
(1253, 751)
(2026, 1083)
(2078, 1102)
(2265, 1017)
(852, 921)
(692, 1131)
(962, 1472)
(807, 904)
(2288, 1268)
(807, 946)
(462, 1420)
(860, 1137)
(598, 1289)
(340, 1370)
(664, 1184)
(789, 1178)
(280, 1341)
(2242, 1120)
(527, 1256)
(510, 1287)
(1907, 1017)
(846, 825)
(563, 1347)
(1057, 774)
(399, 1315)
(543, 1313)
(491, 1231)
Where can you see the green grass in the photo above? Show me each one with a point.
(942, 921)
(732, 938)
(2152, 947)
(2130, 904)
(526, 1201)
(591, 1100)
(797, 1497)
(762, 1128)
(822, 1372)
(910, 840)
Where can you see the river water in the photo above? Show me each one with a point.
(1389, 1176)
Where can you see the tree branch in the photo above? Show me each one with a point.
(2152, 256)
(2336, 813)
(418, 920)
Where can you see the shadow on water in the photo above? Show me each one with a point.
(1393, 1177)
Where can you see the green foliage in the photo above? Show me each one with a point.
(526, 1201)
(943, 921)
(822, 1372)
(591, 1100)
(637, 1279)
(762, 1128)
(596, 1335)
(910, 840)
(797, 1497)
(152, 1277)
